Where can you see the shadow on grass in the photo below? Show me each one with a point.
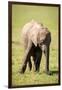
(40, 73)
(50, 73)
(54, 72)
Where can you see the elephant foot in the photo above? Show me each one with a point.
(30, 69)
(48, 73)
(36, 70)
(22, 70)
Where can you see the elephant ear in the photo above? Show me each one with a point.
(38, 34)
(42, 35)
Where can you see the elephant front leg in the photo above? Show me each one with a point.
(24, 66)
(26, 57)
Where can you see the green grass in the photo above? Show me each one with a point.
(21, 14)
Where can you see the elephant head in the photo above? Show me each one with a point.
(39, 34)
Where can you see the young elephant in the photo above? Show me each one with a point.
(35, 34)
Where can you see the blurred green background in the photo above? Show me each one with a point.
(48, 15)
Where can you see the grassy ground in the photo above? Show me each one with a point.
(49, 17)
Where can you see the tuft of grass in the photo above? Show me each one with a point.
(47, 15)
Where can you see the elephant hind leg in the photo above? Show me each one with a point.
(25, 65)
(30, 64)
(37, 61)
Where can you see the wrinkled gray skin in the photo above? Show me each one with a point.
(36, 39)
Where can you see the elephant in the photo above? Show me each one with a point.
(36, 39)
